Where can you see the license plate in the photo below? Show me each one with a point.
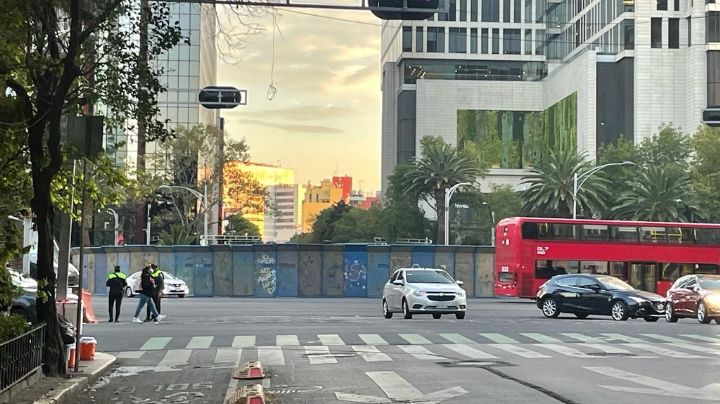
(442, 305)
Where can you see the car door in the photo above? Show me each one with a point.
(567, 293)
(676, 293)
(398, 290)
(389, 290)
(691, 296)
(593, 298)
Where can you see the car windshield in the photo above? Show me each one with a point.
(168, 275)
(611, 283)
(713, 284)
(425, 276)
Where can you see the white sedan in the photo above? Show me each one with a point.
(423, 291)
(174, 286)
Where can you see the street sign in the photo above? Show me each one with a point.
(222, 97)
(711, 116)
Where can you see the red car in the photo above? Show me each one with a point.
(694, 296)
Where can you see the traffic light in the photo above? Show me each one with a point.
(222, 97)
(711, 116)
(404, 9)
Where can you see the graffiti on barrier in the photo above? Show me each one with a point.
(266, 274)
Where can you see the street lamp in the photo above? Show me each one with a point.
(117, 227)
(448, 194)
(492, 228)
(579, 180)
(203, 198)
(147, 228)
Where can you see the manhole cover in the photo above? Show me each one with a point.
(610, 354)
(474, 364)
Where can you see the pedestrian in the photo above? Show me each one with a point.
(147, 284)
(117, 282)
(159, 279)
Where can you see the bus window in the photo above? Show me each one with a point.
(566, 267)
(556, 231)
(624, 234)
(618, 270)
(679, 235)
(594, 267)
(652, 234)
(671, 271)
(706, 269)
(545, 269)
(530, 231)
(707, 236)
(643, 276)
(594, 232)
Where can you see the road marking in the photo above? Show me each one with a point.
(457, 339)
(130, 354)
(199, 342)
(711, 392)
(227, 355)
(702, 338)
(243, 341)
(663, 338)
(331, 339)
(611, 349)
(541, 338)
(583, 337)
(398, 389)
(696, 348)
(270, 355)
(621, 337)
(175, 357)
(662, 351)
(420, 352)
(469, 351)
(565, 350)
(520, 351)
(282, 340)
(415, 339)
(499, 338)
(319, 355)
(373, 339)
(371, 354)
(155, 343)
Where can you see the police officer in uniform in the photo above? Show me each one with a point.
(159, 278)
(117, 283)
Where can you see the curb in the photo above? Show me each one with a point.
(67, 391)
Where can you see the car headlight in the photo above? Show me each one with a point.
(461, 293)
(713, 300)
(638, 299)
(419, 293)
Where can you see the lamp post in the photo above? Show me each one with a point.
(147, 226)
(203, 199)
(579, 180)
(117, 227)
(448, 194)
(492, 228)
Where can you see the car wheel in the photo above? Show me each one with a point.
(386, 310)
(619, 311)
(651, 319)
(581, 315)
(437, 315)
(460, 315)
(670, 316)
(181, 296)
(550, 308)
(406, 310)
(129, 292)
(702, 314)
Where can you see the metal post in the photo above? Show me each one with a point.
(147, 227)
(575, 189)
(117, 227)
(78, 316)
(205, 216)
(492, 229)
(448, 194)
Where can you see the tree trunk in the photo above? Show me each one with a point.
(141, 129)
(440, 209)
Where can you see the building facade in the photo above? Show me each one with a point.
(317, 199)
(284, 217)
(521, 77)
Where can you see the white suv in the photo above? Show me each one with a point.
(423, 291)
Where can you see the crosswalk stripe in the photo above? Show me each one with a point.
(518, 350)
(415, 339)
(702, 338)
(282, 340)
(319, 355)
(457, 339)
(331, 339)
(271, 355)
(199, 342)
(243, 341)
(469, 351)
(370, 353)
(656, 349)
(175, 357)
(664, 338)
(394, 386)
(541, 338)
(565, 350)
(155, 343)
(373, 339)
(621, 337)
(420, 352)
(130, 354)
(607, 348)
(228, 355)
(583, 337)
(499, 338)
(696, 348)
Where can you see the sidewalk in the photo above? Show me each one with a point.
(53, 390)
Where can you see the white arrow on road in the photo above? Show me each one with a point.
(711, 392)
(398, 389)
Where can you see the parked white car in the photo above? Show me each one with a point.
(174, 286)
(423, 291)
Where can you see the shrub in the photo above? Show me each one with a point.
(12, 326)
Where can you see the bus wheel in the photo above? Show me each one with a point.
(550, 308)
(619, 311)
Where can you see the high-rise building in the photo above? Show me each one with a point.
(521, 77)
(283, 220)
(317, 199)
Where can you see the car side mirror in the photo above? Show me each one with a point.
(398, 282)
(596, 288)
(460, 283)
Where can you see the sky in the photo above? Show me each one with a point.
(325, 117)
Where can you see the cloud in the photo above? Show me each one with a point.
(303, 112)
(294, 127)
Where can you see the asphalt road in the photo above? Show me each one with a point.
(343, 350)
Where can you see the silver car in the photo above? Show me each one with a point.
(423, 291)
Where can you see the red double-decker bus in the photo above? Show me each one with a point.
(648, 255)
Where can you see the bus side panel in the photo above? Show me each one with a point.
(506, 260)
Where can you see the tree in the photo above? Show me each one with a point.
(177, 234)
(60, 67)
(440, 167)
(324, 223)
(670, 147)
(550, 186)
(705, 172)
(402, 218)
(238, 225)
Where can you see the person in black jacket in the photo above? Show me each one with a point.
(159, 279)
(117, 283)
(147, 284)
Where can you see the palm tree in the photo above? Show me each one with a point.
(550, 186)
(657, 194)
(440, 167)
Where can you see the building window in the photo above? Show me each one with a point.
(443, 6)
(677, 5)
(662, 4)
(539, 10)
(452, 10)
(628, 27)
(539, 42)
(511, 41)
(473, 40)
(484, 41)
(712, 28)
(528, 11)
(458, 40)
(419, 40)
(491, 10)
(713, 78)
(506, 10)
(689, 31)
(528, 42)
(673, 33)
(436, 39)
(496, 41)
(473, 10)
(463, 10)
(517, 10)
(407, 39)
(656, 32)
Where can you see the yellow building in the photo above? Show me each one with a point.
(317, 199)
(236, 173)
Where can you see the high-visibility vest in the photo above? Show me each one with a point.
(119, 275)
(158, 273)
